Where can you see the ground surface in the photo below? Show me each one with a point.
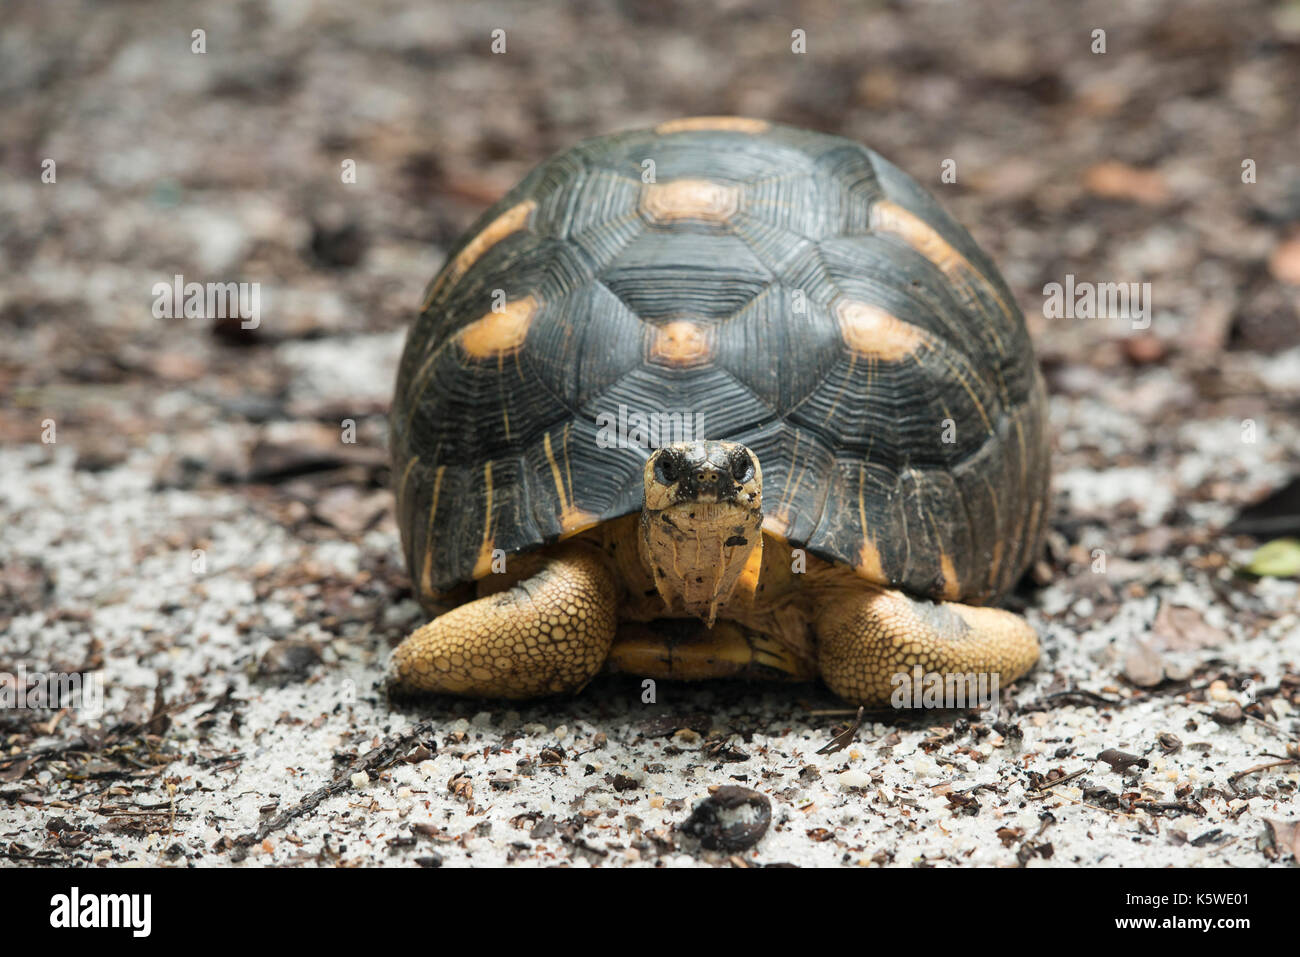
(199, 537)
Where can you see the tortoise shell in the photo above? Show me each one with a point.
(769, 285)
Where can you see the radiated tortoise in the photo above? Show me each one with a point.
(722, 397)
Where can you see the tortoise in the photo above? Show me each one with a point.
(718, 398)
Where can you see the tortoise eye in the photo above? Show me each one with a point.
(742, 469)
(666, 470)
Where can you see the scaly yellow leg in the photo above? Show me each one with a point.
(548, 634)
(866, 638)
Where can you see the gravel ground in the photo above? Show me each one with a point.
(198, 537)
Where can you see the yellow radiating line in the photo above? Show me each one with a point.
(862, 498)
(788, 495)
(1020, 438)
(483, 564)
(437, 491)
(428, 531)
(938, 541)
(487, 521)
(501, 390)
(401, 486)
(942, 404)
(979, 406)
(568, 464)
(555, 472)
(869, 561)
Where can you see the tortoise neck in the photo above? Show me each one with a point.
(696, 552)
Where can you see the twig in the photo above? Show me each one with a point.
(844, 738)
(1272, 727)
(1046, 785)
(1042, 703)
(389, 751)
(1232, 781)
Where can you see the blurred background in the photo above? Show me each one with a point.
(1123, 166)
(193, 440)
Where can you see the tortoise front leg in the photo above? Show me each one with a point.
(865, 638)
(548, 634)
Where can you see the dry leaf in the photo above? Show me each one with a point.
(1143, 665)
(1284, 264)
(1286, 835)
(1114, 180)
(1179, 628)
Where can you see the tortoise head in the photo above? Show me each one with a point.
(701, 523)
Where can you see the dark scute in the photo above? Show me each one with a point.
(664, 274)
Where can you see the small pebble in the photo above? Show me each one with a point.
(921, 766)
(853, 778)
(1218, 691)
